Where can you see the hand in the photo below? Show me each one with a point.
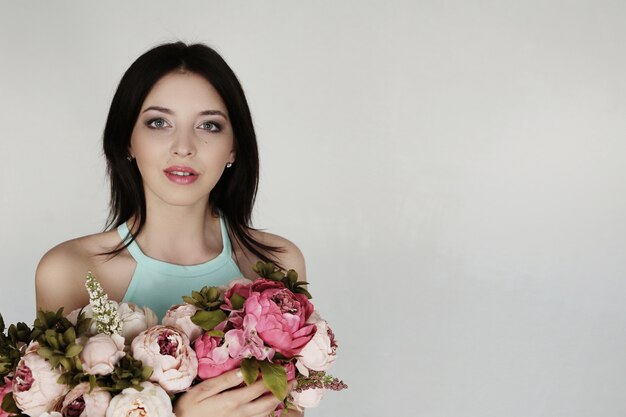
(219, 397)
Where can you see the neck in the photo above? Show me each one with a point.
(183, 235)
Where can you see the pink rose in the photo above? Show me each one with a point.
(321, 351)
(80, 403)
(35, 388)
(308, 398)
(279, 317)
(180, 316)
(166, 349)
(6, 388)
(213, 360)
(101, 353)
(135, 320)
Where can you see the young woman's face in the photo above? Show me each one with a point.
(182, 140)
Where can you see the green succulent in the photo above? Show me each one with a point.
(208, 298)
(17, 336)
(128, 373)
(269, 271)
(57, 340)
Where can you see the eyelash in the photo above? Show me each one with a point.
(218, 127)
(150, 124)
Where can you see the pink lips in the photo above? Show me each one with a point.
(181, 179)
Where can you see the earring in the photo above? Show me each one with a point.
(228, 165)
(130, 158)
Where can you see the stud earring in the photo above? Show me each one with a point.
(130, 158)
(228, 165)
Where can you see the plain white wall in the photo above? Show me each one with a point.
(453, 172)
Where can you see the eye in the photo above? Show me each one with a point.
(211, 126)
(156, 123)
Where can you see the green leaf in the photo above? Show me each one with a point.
(8, 404)
(275, 379)
(45, 352)
(73, 350)
(213, 293)
(216, 333)
(66, 364)
(189, 300)
(301, 290)
(250, 370)
(208, 319)
(197, 296)
(146, 372)
(92, 382)
(69, 336)
(237, 301)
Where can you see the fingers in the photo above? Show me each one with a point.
(262, 406)
(213, 386)
(247, 393)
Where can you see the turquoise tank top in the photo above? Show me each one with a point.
(159, 285)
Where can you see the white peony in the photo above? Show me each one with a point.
(152, 401)
(135, 320)
(308, 398)
(319, 354)
(180, 316)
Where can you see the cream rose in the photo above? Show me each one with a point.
(101, 353)
(166, 349)
(152, 401)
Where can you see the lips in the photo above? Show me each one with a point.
(181, 174)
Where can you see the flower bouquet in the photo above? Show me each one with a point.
(110, 359)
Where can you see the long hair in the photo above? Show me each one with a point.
(234, 193)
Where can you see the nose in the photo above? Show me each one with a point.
(183, 145)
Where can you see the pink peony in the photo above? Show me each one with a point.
(321, 351)
(166, 349)
(80, 403)
(180, 316)
(213, 360)
(6, 388)
(263, 284)
(246, 343)
(101, 353)
(308, 398)
(279, 317)
(35, 388)
(241, 287)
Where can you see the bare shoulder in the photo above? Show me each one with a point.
(290, 258)
(60, 274)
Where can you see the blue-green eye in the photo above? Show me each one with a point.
(211, 126)
(156, 123)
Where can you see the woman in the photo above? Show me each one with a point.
(183, 166)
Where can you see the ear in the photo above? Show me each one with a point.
(233, 155)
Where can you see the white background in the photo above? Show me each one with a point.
(453, 172)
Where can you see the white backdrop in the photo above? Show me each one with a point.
(453, 172)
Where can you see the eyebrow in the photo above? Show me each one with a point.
(202, 113)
